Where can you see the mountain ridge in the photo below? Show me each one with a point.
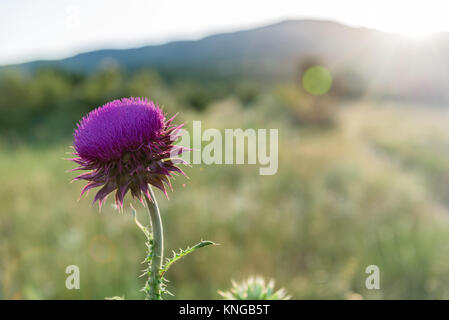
(212, 47)
(388, 64)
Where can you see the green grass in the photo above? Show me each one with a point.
(370, 190)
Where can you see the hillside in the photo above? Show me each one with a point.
(388, 64)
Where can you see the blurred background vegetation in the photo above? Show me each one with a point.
(362, 180)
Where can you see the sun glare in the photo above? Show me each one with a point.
(413, 31)
(412, 20)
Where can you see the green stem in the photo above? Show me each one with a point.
(158, 247)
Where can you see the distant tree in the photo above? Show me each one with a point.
(349, 84)
(247, 91)
(193, 95)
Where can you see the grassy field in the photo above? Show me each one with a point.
(372, 189)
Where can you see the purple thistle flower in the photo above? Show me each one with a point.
(126, 144)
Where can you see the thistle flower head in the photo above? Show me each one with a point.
(125, 145)
(254, 288)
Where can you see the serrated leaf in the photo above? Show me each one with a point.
(183, 253)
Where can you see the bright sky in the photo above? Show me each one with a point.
(34, 29)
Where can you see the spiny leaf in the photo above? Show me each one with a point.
(183, 253)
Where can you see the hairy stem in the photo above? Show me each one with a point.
(158, 247)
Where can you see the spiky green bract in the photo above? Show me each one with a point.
(254, 288)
